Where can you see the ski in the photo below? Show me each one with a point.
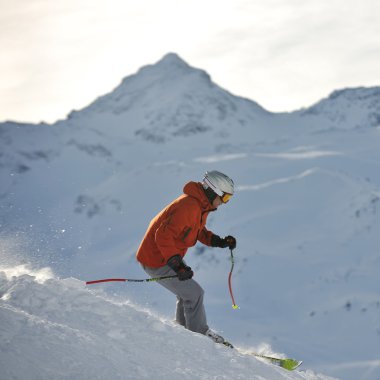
(287, 363)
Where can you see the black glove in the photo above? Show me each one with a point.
(228, 241)
(183, 271)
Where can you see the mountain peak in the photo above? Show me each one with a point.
(171, 97)
(170, 77)
(171, 65)
(172, 59)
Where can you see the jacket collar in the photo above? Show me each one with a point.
(195, 190)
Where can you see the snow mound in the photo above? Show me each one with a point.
(59, 329)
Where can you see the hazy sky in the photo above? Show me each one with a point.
(59, 55)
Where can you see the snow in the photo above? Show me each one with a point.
(57, 329)
(76, 197)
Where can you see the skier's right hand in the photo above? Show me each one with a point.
(183, 271)
(185, 274)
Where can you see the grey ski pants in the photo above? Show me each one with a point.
(190, 311)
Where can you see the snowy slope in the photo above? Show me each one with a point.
(56, 329)
(77, 196)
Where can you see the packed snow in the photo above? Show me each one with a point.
(57, 329)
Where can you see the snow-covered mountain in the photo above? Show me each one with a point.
(169, 99)
(77, 196)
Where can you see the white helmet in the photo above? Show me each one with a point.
(218, 182)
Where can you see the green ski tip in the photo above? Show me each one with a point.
(289, 364)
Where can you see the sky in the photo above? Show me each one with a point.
(61, 55)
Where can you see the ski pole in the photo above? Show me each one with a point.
(130, 280)
(234, 306)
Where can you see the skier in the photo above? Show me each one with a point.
(176, 228)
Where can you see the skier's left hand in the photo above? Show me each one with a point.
(229, 241)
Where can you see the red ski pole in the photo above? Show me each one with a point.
(234, 306)
(130, 280)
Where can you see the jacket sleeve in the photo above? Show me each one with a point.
(171, 230)
(205, 236)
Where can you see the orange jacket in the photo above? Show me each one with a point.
(177, 227)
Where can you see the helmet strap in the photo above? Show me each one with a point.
(210, 194)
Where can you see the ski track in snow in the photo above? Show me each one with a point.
(278, 181)
(219, 158)
(299, 155)
(296, 154)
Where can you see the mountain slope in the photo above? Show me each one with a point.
(350, 108)
(56, 329)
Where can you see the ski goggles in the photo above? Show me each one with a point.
(225, 197)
